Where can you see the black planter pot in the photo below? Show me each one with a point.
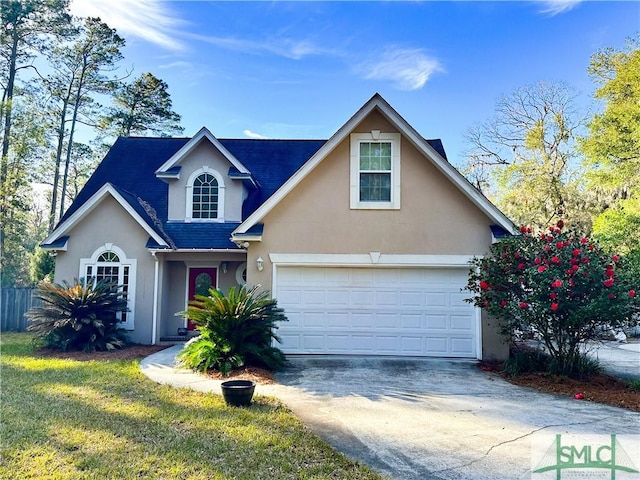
(238, 393)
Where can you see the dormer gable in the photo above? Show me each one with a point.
(207, 183)
(171, 168)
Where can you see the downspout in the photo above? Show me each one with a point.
(156, 283)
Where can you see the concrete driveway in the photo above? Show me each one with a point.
(427, 418)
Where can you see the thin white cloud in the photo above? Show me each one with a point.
(149, 20)
(282, 47)
(179, 64)
(251, 134)
(407, 68)
(556, 7)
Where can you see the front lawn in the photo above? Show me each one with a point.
(67, 419)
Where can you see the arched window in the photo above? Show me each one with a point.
(205, 196)
(111, 264)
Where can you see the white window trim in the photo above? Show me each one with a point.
(188, 216)
(241, 268)
(354, 182)
(124, 262)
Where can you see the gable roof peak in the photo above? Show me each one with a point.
(201, 136)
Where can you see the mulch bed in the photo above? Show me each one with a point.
(132, 352)
(597, 388)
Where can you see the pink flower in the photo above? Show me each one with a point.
(484, 285)
(615, 258)
(557, 284)
(611, 296)
(521, 266)
(575, 268)
(576, 252)
(542, 268)
(584, 240)
(559, 244)
(523, 304)
(554, 306)
(632, 293)
(608, 282)
(537, 261)
(503, 303)
(555, 260)
(553, 295)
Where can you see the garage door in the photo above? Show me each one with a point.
(376, 311)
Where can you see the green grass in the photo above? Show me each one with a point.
(65, 419)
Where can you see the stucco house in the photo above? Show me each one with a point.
(364, 239)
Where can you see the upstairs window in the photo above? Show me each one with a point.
(205, 196)
(375, 170)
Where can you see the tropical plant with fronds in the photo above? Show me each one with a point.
(237, 329)
(79, 316)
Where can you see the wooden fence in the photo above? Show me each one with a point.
(14, 303)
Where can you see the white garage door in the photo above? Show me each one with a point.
(376, 311)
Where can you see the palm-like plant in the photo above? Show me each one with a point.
(82, 316)
(235, 329)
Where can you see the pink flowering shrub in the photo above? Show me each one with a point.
(560, 286)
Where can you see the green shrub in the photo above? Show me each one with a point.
(635, 384)
(526, 361)
(534, 360)
(82, 316)
(235, 330)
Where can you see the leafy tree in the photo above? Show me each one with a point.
(82, 316)
(143, 107)
(617, 229)
(81, 69)
(41, 265)
(26, 30)
(28, 146)
(26, 24)
(613, 144)
(527, 149)
(235, 330)
(559, 286)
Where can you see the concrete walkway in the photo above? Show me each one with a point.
(426, 418)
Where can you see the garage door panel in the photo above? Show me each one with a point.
(436, 299)
(414, 299)
(436, 322)
(461, 345)
(436, 345)
(376, 311)
(461, 323)
(361, 298)
(411, 321)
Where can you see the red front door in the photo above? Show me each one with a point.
(200, 280)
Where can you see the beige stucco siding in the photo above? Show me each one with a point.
(435, 217)
(205, 154)
(110, 223)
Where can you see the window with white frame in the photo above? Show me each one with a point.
(205, 196)
(375, 170)
(111, 264)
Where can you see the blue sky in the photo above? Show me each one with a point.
(301, 69)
